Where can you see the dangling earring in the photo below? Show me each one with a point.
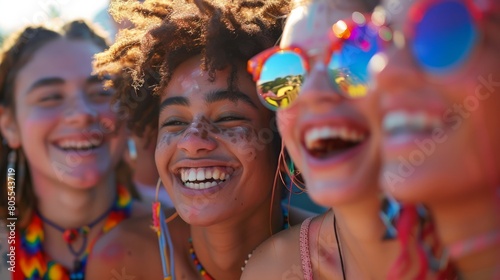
(164, 239)
(389, 214)
(132, 149)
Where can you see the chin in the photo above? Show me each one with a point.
(196, 216)
(335, 192)
(84, 180)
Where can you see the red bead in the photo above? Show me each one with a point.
(70, 235)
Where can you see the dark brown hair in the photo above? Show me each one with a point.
(167, 33)
(17, 51)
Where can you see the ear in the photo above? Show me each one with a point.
(8, 128)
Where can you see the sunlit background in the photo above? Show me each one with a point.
(16, 14)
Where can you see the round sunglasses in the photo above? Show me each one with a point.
(442, 35)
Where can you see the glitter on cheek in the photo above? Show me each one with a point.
(244, 139)
(165, 140)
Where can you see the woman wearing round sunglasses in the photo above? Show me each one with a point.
(315, 80)
(438, 89)
(216, 152)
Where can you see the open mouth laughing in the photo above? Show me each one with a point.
(327, 141)
(204, 177)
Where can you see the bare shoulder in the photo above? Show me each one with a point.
(128, 250)
(131, 250)
(282, 251)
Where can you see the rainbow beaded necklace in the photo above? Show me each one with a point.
(35, 264)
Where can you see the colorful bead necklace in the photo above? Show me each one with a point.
(35, 264)
(201, 269)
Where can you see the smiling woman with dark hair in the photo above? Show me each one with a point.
(62, 145)
(216, 153)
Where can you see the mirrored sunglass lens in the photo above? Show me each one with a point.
(280, 79)
(444, 37)
(349, 67)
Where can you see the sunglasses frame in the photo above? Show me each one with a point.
(418, 10)
(256, 63)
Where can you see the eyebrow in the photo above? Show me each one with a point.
(211, 97)
(50, 81)
(176, 100)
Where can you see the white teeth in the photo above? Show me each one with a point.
(200, 186)
(212, 176)
(200, 174)
(192, 175)
(216, 174)
(72, 144)
(328, 132)
(345, 134)
(95, 141)
(417, 121)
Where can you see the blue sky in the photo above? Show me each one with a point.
(276, 63)
(15, 14)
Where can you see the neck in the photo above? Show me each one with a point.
(360, 231)
(466, 222)
(222, 249)
(70, 207)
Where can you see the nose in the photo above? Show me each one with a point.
(197, 140)
(317, 92)
(81, 111)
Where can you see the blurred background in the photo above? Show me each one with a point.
(15, 14)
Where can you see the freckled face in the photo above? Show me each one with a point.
(440, 133)
(214, 151)
(64, 121)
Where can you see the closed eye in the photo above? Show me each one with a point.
(230, 118)
(51, 97)
(173, 123)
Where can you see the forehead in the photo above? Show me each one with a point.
(308, 25)
(187, 77)
(67, 59)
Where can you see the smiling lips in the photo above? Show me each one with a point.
(204, 177)
(79, 145)
(398, 122)
(326, 141)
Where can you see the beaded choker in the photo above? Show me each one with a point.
(35, 264)
(201, 269)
